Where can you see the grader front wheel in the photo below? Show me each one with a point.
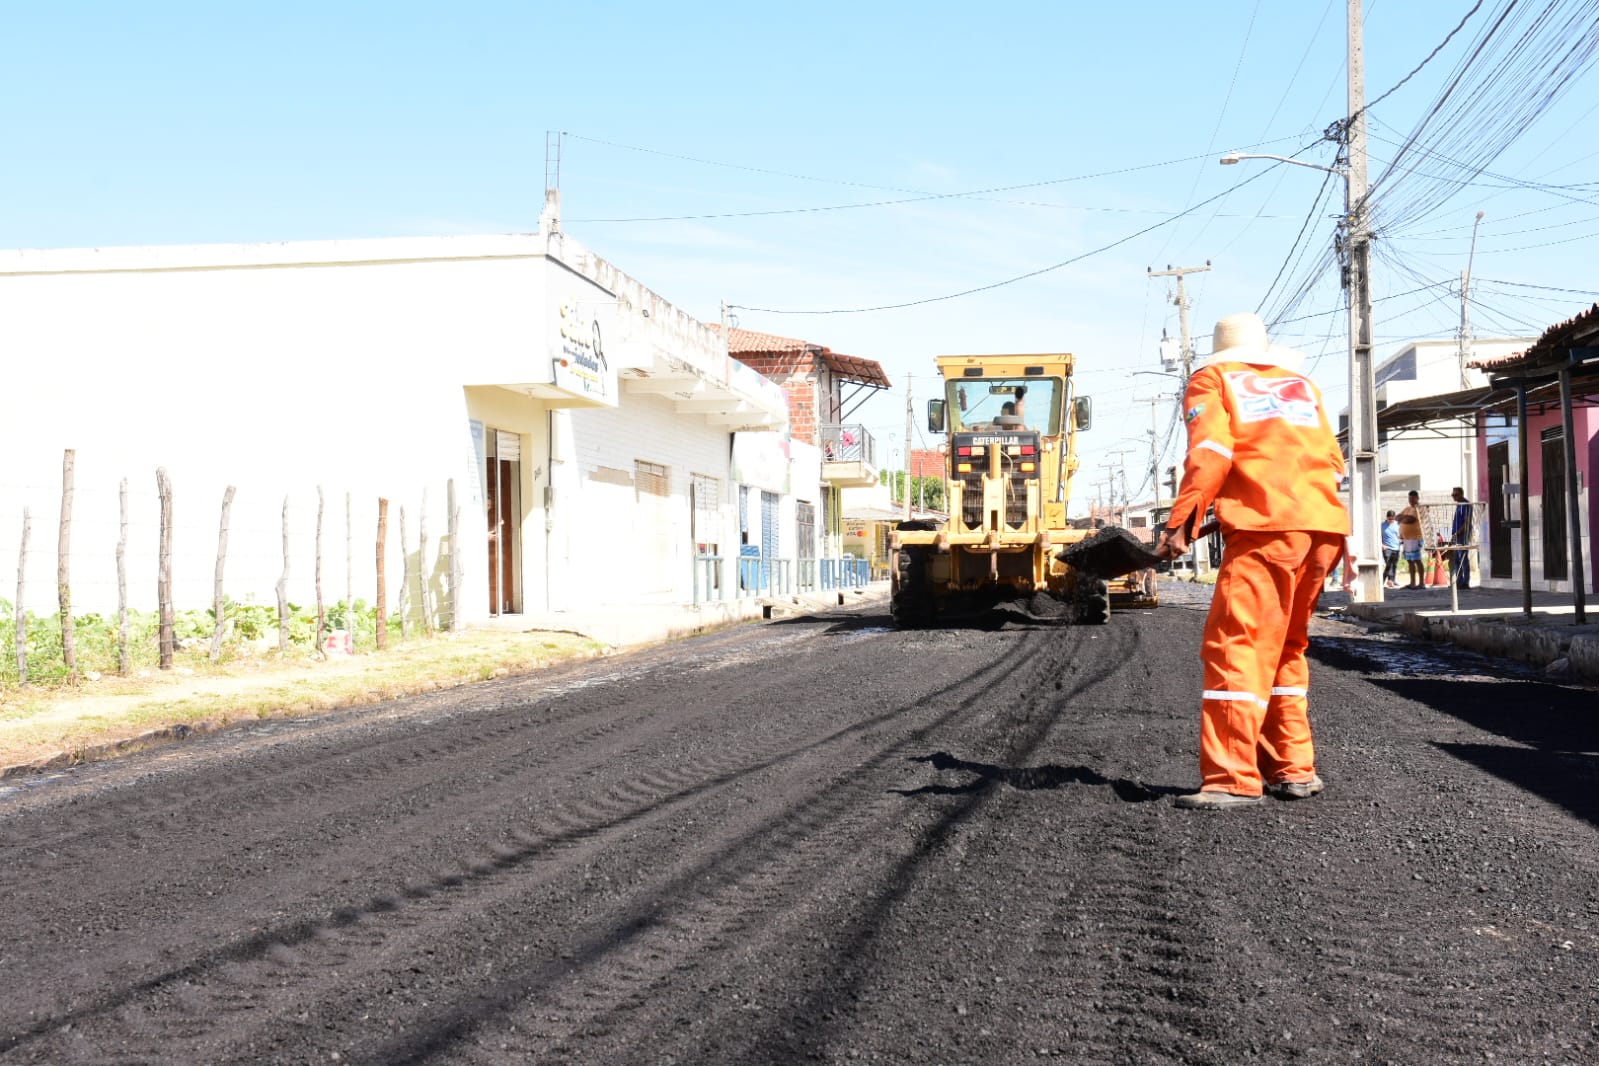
(911, 596)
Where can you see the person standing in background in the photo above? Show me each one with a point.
(1460, 532)
(1390, 551)
(1410, 540)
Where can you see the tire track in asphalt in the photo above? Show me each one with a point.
(744, 880)
(1020, 733)
(298, 935)
(275, 810)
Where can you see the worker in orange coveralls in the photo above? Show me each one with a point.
(1261, 450)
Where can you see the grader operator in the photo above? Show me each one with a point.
(1011, 423)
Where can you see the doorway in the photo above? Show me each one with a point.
(769, 502)
(1554, 505)
(503, 498)
(1498, 521)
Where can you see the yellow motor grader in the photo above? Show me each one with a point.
(1010, 425)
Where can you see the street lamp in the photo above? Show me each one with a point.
(1355, 241)
(1233, 157)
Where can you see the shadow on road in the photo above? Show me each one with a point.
(993, 621)
(1029, 778)
(1555, 726)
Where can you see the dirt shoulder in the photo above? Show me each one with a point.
(45, 728)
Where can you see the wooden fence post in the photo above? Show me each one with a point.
(383, 590)
(455, 558)
(163, 584)
(222, 554)
(283, 587)
(122, 582)
(349, 574)
(403, 606)
(321, 612)
(22, 616)
(69, 641)
(423, 594)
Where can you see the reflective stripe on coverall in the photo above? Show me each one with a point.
(1261, 449)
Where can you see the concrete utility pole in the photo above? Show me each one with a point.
(1118, 465)
(1154, 440)
(1187, 351)
(1467, 481)
(1181, 300)
(909, 429)
(1364, 539)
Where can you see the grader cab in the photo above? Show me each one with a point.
(1010, 424)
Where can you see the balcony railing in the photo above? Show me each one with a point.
(719, 578)
(849, 456)
(848, 443)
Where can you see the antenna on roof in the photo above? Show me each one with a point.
(552, 160)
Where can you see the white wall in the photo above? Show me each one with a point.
(1422, 459)
(273, 379)
(598, 482)
(357, 367)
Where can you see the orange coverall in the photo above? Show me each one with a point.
(1260, 448)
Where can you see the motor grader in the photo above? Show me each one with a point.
(1010, 424)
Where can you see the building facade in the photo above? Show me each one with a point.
(1435, 459)
(593, 439)
(824, 388)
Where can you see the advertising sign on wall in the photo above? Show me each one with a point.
(580, 366)
(760, 459)
(583, 317)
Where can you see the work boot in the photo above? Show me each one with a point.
(1296, 790)
(1213, 800)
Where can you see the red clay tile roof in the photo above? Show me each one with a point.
(849, 367)
(1492, 361)
(1554, 340)
(749, 341)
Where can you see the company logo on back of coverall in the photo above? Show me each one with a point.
(1258, 398)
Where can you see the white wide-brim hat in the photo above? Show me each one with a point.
(1241, 338)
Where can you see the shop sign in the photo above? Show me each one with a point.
(580, 366)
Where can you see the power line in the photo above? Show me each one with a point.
(1545, 288)
(1430, 57)
(920, 195)
(1020, 277)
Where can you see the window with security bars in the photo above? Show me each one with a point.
(650, 479)
(707, 493)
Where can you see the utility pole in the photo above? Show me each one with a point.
(909, 429)
(1154, 440)
(1111, 469)
(1181, 300)
(1362, 389)
(1467, 481)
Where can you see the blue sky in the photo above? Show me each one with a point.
(834, 157)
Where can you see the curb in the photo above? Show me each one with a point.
(1501, 638)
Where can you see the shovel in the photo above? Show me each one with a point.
(1114, 552)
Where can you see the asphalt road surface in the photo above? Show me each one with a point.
(823, 840)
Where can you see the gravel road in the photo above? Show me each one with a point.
(823, 840)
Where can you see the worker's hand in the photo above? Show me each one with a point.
(1021, 390)
(1173, 544)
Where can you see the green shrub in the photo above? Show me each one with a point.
(248, 628)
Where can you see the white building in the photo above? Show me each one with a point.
(596, 436)
(1435, 458)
